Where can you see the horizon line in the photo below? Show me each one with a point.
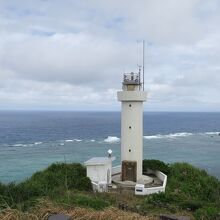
(69, 110)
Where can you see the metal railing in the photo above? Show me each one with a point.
(131, 78)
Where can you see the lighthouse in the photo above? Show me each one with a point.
(131, 97)
(128, 175)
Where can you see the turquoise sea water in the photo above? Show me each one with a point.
(30, 141)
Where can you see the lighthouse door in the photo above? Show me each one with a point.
(129, 170)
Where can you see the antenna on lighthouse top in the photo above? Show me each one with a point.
(139, 73)
(143, 61)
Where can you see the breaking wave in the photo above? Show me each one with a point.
(115, 139)
(25, 145)
(178, 135)
(212, 133)
(77, 140)
(112, 139)
(183, 134)
(172, 135)
(70, 140)
(18, 145)
(158, 136)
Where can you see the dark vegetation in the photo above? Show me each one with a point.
(156, 165)
(53, 181)
(189, 190)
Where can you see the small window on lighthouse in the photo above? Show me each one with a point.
(129, 105)
(129, 150)
(129, 127)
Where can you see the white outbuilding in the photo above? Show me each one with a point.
(99, 170)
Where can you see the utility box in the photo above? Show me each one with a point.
(139, 189)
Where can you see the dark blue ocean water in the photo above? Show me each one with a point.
(30, 141)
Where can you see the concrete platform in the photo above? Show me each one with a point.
(146, 180)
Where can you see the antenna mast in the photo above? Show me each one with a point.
(143, 61)
(139, 73)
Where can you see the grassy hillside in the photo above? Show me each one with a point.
(190, 191)
(54, 180)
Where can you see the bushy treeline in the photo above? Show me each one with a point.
(57, 178)
(155, 165)
(189, 189)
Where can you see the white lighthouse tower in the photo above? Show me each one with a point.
(131, 97)
(129, 175)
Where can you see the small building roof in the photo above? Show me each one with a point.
(98, 160)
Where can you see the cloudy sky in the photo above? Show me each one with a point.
(70, 55)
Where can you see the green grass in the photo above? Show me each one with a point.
(81, 199)
(189, 190)
(56, 179)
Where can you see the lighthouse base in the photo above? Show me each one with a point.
(145, 180)
(153, 181)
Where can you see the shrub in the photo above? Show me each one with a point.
(60, 175)
(84, 184)
(156, 165)
(57, 177)
(191, 205)
(189, 188)
(194, 183)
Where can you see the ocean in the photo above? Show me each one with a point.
(32, 140)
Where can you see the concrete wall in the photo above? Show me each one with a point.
(141, 190)
(132, 127)
(132, 96)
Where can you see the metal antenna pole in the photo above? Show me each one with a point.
(139, 73)
(143, 61)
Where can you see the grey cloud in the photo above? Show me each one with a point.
(75, 58)
(72, 54)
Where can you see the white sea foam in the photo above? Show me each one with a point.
(68, 140)
(77, 140)
(18, 145)
(158, 136)
(172, 135)
(212, 133)
(92, 140)
(37, 143)
(183, 134)
(112, 139)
